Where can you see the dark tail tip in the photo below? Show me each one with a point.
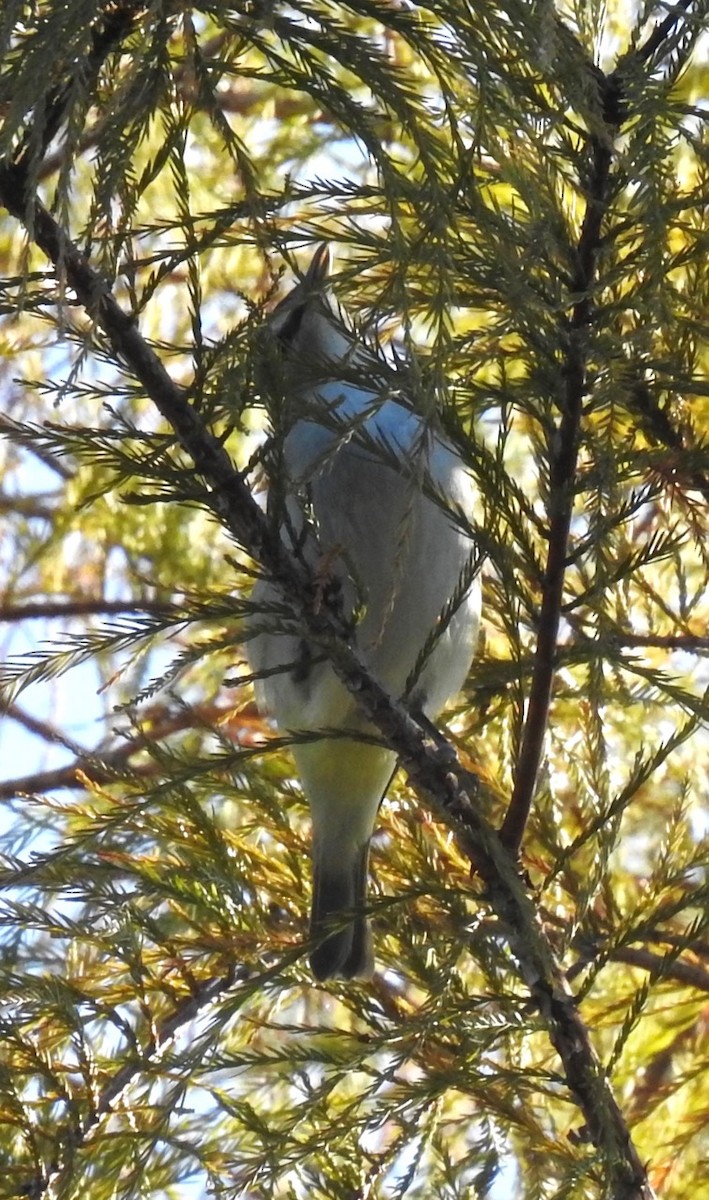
(338, 924)
(347, 954)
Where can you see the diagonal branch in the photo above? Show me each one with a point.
(41, 729)
(102, 766)
(690, 974)
(663, 32)
(113, 26)
(428, 759)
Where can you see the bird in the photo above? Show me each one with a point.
(379, 504)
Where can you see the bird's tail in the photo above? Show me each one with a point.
(339, 927)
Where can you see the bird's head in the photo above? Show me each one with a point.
(304, 342)
(304, 325)
(305, 305)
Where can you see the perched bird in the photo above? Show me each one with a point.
(377, 503)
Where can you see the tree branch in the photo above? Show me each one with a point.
(96, 606)
(564, 455)
(691, 974)
(30, 507)
(107, 34)
(42, 729)
(692, 643)
(103, 766)
(661, 34)
(667, 966)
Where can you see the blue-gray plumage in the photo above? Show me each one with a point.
(372, 496)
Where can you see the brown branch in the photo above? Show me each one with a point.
(50, 460)
(691, 974)
(239, 99)
(665, 966)
(679, 641)
(698, 946)
(30, 507)
(42, 729)
(564, 456)
(104, 766)
(45, 609)
(100, 770)
(113, 26)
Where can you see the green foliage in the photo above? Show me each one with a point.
(160, 1032)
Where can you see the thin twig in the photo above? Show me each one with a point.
(104, 766)
(53, 161)
(691, 974)
(43, 729)
(100, 770)
(50, 460)
(30, 507)
(116, 21)
(667, 966)
(691, 643)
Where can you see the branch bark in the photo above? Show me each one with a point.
(564, 456)
(102, 766)
(85, 607)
